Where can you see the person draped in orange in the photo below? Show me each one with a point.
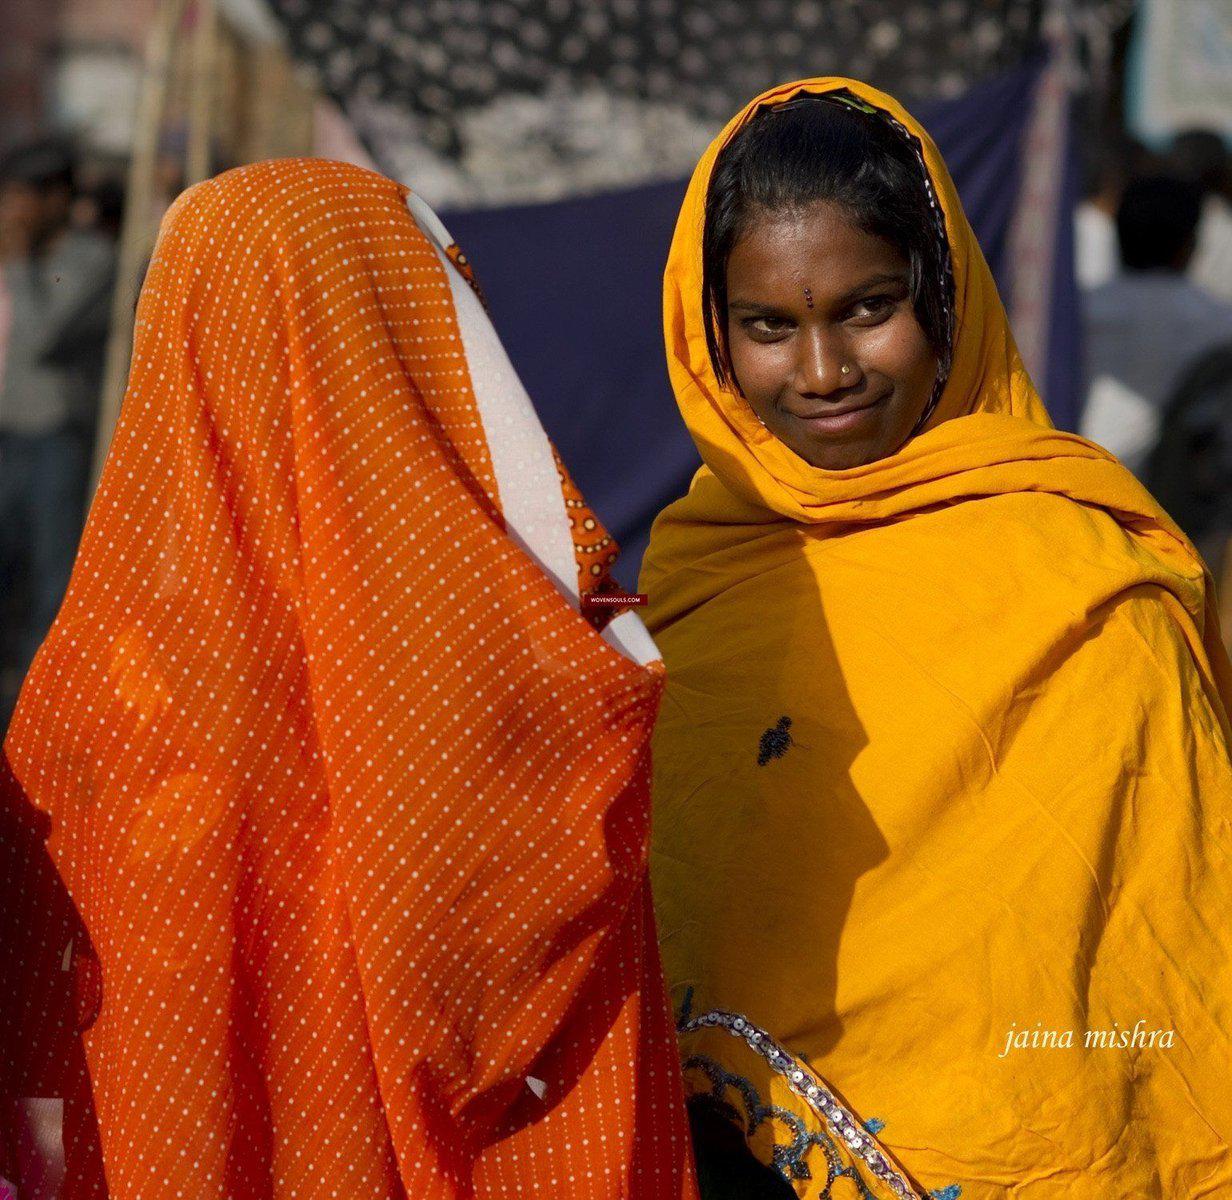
(325, 809)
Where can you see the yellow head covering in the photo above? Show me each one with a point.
(942, 785)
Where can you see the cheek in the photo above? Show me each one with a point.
(760, 367)
(899, 350)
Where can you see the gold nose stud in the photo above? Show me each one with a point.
(844, 369)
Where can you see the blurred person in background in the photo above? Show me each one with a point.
(1116, 159)
(57, 283)
(1150, 324)
(99, 205)
(1201, 156)
(1190, 470)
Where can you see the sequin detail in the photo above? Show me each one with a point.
(774, 743)
(838, 1121)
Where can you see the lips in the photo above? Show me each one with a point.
(839, 409)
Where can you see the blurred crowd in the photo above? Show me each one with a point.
(1154, 260)
(58, 238)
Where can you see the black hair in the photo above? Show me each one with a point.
(1112, 160)
(833, 147)
(1201, 156)
(46, 164)
(1156, 221)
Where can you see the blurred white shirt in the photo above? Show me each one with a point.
(1096, 254)
(1144, 330)
(1211, 265)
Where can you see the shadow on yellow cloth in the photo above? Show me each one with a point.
(941, 775)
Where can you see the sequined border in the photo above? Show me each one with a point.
(800, 1079)
(788, 1160)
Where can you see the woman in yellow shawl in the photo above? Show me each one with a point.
(941, 846)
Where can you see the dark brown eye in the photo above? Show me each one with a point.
(766, 326)
(872, 307)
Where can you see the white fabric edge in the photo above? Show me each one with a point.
(526, 477)
(627, 633)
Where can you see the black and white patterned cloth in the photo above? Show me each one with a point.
(494, 101)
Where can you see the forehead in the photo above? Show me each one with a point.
(820, 245)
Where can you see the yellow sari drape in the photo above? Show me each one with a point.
(942, 788)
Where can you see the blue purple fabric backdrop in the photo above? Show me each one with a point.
(574, 288)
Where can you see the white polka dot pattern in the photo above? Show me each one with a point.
(350, 804)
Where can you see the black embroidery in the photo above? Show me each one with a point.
(774, 742)
(839, 1124)
(788, 1158)
(686, 1006)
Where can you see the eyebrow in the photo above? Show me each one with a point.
(757, 307)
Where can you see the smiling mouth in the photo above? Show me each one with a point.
(839, 415)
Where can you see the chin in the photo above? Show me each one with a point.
(841, 460)
(837, 453)
(839, 456)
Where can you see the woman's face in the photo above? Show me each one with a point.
(809, 293)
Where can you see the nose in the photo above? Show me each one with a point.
(824, 364)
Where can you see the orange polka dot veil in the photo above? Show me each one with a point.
(346, 801)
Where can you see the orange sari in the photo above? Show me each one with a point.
(345, 803)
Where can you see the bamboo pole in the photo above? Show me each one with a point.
(201, 100)
(136, 236)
